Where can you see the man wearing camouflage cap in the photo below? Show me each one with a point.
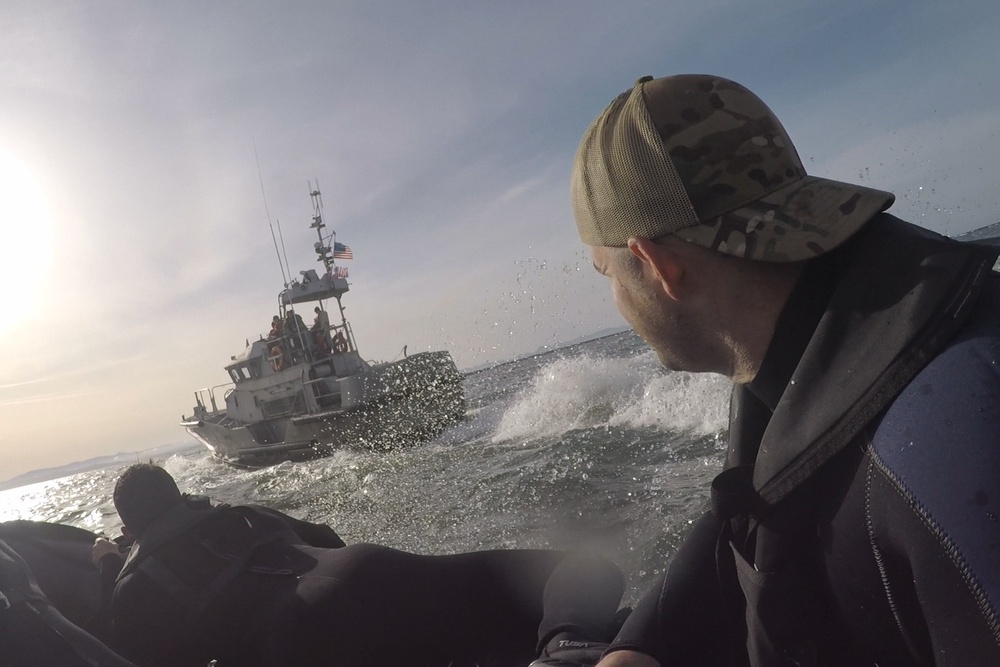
(857, 521)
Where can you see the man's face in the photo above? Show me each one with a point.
(667, 325)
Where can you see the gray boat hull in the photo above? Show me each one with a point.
(400, 404)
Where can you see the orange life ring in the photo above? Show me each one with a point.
(277, 358)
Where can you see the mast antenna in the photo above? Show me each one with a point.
(322, 250)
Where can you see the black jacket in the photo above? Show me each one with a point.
(856, 520)
(205, 583)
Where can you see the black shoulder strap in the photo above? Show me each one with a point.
(733, 492)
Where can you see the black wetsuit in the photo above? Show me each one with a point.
(858, 519)
(240, 585)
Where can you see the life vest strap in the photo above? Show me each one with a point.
(733, 492)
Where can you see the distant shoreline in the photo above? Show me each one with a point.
(96, 463)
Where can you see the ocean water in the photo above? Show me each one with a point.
(593, 446)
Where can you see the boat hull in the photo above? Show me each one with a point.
(403, 403)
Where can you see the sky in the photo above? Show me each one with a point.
(148, 150)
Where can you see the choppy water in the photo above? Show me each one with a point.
(593, 446)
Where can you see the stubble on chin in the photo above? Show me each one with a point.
(667, 362)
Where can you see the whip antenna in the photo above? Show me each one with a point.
(260, 177)
(282, 239)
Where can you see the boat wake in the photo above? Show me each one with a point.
(636, 392)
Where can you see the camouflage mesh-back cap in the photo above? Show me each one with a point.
(703, 158)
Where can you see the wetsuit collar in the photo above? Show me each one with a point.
(902, 293)
(795, 327)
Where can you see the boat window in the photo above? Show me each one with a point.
(239, 374)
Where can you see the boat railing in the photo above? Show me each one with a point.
(291, 342)
(288, 349)
(323, 394)
(310, 345)
(201, 395)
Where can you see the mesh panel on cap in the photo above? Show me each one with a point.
(626, 184)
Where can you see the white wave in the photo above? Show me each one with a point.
(586, 392)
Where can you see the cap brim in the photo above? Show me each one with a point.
(797, 222)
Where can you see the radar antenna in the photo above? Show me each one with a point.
(324, 251)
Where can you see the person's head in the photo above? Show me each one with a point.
(275, 319)
(694, 201)
(316, 310)
(143, 493)
(700, 311)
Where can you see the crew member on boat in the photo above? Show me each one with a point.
(321, 330)
(276, 352)
(275, 328)
(295, 332)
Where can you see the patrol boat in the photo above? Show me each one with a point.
(301, 392)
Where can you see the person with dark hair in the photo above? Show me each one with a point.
(144, 492)
(276, 328)
(295, 333)
(855, 522)
(245, 585)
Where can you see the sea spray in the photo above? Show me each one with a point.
(584, 392)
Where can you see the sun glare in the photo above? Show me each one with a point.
(25, 240)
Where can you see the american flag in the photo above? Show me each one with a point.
(341, 251)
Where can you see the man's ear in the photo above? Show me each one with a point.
(665, 264)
